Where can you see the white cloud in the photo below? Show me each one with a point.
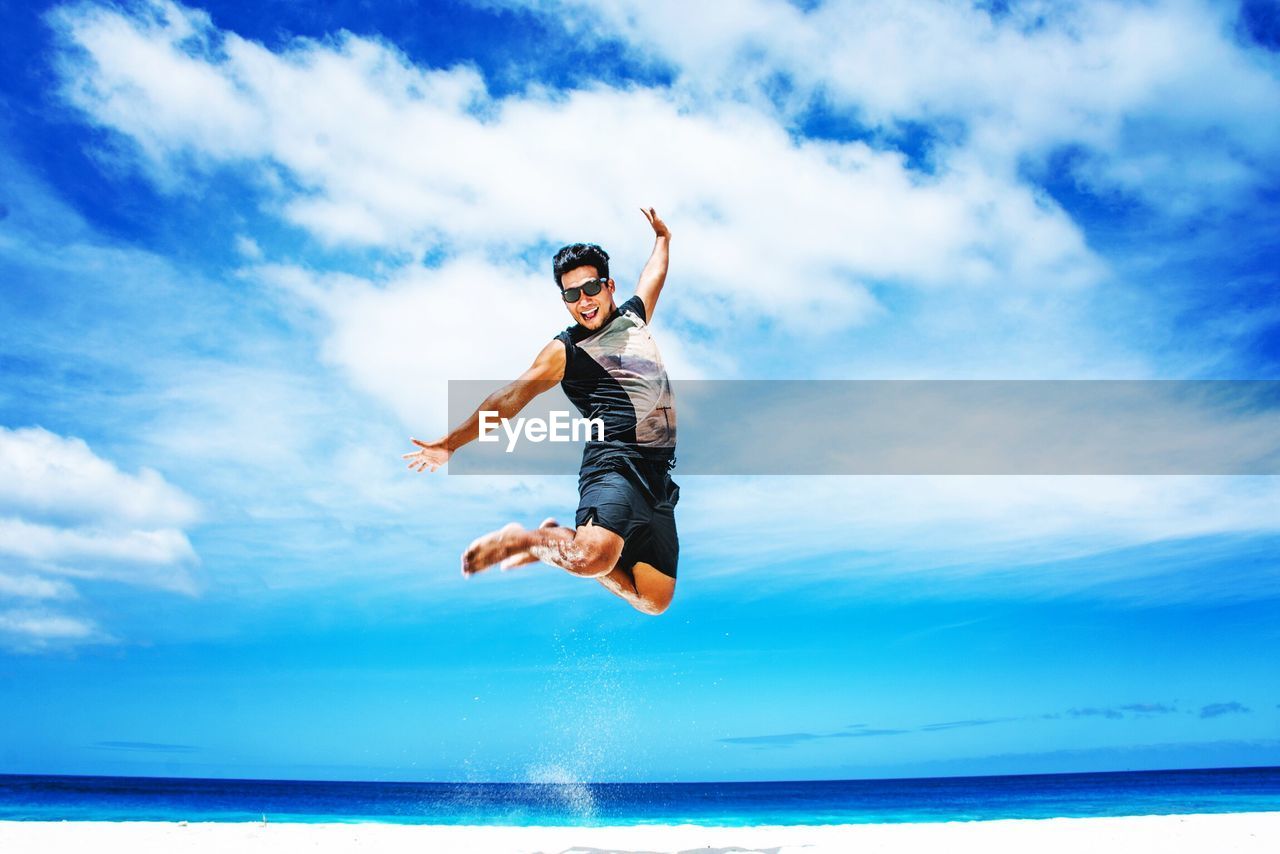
(391, 155)
(28, 630)
(248, 247)
(44, 474)
(44, 626)
(1003, 529)
(47, 543)
(72, 514)
(1163, 95)
(34, 587)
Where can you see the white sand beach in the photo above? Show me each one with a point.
(1219, 834)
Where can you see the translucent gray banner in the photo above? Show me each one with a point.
(841, 427)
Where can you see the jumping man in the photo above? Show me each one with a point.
(609, 366)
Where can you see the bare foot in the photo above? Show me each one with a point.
(489, 549)
(524, 558)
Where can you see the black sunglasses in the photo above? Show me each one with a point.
(590, 287)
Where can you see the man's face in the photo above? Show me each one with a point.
(590, 311)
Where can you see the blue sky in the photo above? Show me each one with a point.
(244, 247)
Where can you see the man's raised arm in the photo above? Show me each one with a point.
(654, 274)
(546, 371)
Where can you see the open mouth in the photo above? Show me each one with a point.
(590, 313)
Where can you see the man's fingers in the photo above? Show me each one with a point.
(651, 214)
(420, 460)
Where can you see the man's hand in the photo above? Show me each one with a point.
(430, 455)
(654, 273)
(659, 227)
(547, 370)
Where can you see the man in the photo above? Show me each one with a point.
(609, 366)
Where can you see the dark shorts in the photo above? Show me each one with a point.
(636, 499)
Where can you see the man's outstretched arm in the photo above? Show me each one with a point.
(546, 371)
(654, 275)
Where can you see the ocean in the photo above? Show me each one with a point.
(55, 798)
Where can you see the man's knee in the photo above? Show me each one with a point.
(652, 607)
(597, 564)
(597, 550)
(653, 604)
(655, 589)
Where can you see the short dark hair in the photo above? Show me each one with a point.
(577, 255)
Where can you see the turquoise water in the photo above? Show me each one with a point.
(48, 798)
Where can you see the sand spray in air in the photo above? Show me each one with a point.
(590, 723)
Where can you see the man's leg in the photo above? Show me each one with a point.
(524, 558)
(589, 552)
(642, 586)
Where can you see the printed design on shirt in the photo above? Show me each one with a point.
(629, 355)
